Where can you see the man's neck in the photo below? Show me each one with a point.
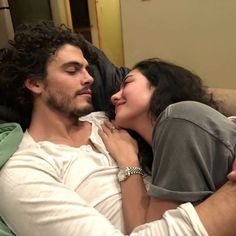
(53, 127)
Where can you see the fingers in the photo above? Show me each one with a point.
(232, 175)
(107, 128)
(109, 125)
(113, 129)
(104, 131)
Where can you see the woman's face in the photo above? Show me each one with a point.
(132, 101)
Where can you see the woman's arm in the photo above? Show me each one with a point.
(138, 207)
(123, 148)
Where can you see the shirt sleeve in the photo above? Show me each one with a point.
(181, 221)
(189, 162)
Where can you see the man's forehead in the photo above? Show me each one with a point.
(69, 53)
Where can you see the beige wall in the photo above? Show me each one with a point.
(197, 34)
(61, 12)
(6, 26)
(109, 27)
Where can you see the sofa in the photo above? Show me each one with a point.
(226, 99)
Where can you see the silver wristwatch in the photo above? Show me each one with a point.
(125, 172)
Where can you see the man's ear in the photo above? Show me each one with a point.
(34, 85)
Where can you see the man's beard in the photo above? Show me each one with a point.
(62, 103)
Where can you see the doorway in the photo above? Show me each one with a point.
(80, 18)
(27, 11)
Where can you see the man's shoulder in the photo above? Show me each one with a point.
(27, 141)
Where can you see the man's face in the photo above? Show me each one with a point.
(67, 86)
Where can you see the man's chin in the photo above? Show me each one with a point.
(83, 111)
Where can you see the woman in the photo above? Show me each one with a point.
(192, 143)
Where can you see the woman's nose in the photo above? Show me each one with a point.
(115, 97)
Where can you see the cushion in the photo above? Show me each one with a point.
(10, 138)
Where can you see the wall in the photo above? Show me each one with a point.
(93, 22)
(109, 27)
(6, 26)
(197, 34)
(61, 12)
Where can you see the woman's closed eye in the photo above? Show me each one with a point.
(125, 82)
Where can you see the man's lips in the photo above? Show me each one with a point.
(87, 92)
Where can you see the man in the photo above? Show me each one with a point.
(61, 180)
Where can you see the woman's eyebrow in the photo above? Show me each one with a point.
(126, 77)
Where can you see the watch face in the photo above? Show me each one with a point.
(122, 175)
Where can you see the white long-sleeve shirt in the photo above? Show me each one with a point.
(53, 189)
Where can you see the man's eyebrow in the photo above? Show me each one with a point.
(73, 63)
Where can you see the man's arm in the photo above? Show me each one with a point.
(218, 212)
(34, 201)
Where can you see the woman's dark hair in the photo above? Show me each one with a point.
(27, 56)
(172, 84)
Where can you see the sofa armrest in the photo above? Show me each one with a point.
(226, 99)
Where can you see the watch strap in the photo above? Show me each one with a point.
(125, 172)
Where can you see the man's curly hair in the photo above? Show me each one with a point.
(27, 56)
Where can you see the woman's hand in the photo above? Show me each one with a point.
(232, 175)
(121, 146)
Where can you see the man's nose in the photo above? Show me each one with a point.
(87, 78)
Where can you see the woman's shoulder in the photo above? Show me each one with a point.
(180, 108)
(196, 113)
(191, 110)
